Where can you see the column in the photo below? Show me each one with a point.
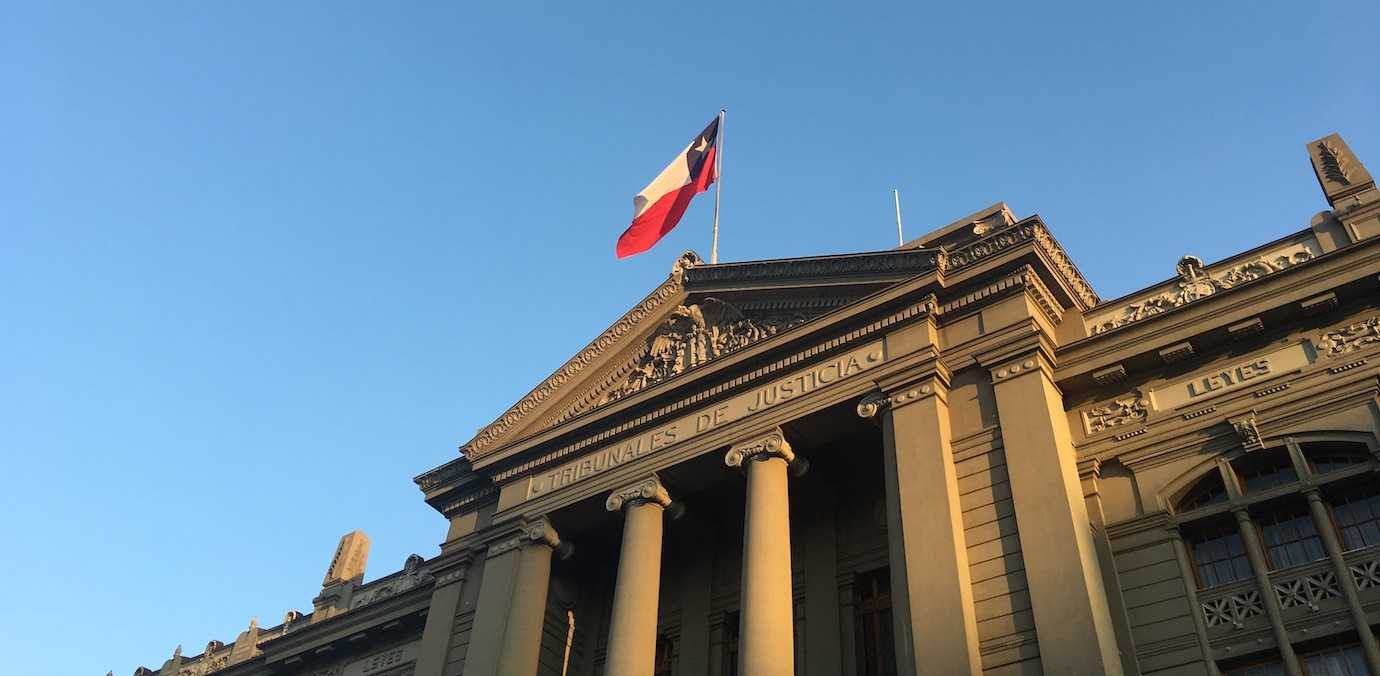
(632, 631)
(1255, 553)
(440, 617)
(1067, 597)
(1328, 533)
(506, 637)
(933, 618)
(1191, 593)
(765, 643)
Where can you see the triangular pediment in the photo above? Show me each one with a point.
(699, 314)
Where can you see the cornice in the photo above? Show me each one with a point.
(1353, 264)
(658, 298)
(800, 357)
(1024, 278)
(908, 263)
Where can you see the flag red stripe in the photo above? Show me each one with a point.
(653, 224)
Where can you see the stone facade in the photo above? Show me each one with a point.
(949, 458)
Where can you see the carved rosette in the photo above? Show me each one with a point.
(647, 490)
(770, 445)
(1350, 338)
(1116, 413)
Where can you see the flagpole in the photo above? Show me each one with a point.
(718, 186)
(900, 238)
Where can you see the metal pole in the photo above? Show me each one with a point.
(718, 185)
(900, 238)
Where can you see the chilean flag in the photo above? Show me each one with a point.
(660, 205)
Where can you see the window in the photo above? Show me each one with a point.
(1265, 469)
(730, 644)
(1358, 517)
(1209, 490)
(1330, 456)
(665, 660)
(1344, 661)
(876, 646)
(1219, 557)
(1290, 539)
(1262, 669)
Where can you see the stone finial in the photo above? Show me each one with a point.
(773, 444)
(1340, 174)
(647, 490)
(351, 556)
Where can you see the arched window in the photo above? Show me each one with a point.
(1208, 491)
(1330, 456)
(1265, 469)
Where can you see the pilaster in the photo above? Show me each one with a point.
(933, 617)
(434, 649)
(1067, 596)
(506, 636)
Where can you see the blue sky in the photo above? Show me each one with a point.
(262, 263)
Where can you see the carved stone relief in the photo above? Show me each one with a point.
(1196, 282)
(412, 577)
(1116, 413)
(1350, 338)
(692, 335)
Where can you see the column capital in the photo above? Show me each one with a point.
(647, 490)
(773, 444)
(1029, 362)
(539, 532)
(451, 569)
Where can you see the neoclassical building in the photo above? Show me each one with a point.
(949, 458)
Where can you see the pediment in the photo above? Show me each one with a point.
(699, 314)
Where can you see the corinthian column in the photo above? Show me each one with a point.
(632, 633)
(766, 646)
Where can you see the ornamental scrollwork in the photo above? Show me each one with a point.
(1350, 338)
(412, 577)
(770, 445)
(692, 335)
(1116, 413)
(647, 490)
(1196, 283)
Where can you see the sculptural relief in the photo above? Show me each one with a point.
(692, 335)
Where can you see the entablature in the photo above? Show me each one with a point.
(1225, 323)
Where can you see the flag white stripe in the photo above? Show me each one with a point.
(675, 176)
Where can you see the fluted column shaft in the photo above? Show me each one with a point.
(766, 614)
(632, 632)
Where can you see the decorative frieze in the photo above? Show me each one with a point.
(1196, 282)
(1350, 338)
(693, 335)
(647, 490)
(1116, 413)
(412, 577)
(1307, 591)
(1232, 609)
(770, 445)
(697, 422)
